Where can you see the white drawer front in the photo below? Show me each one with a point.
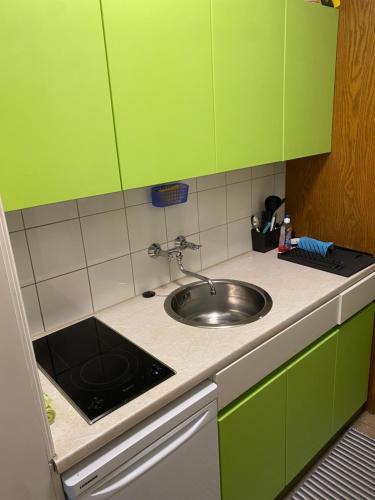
(356, 298)
(238, 377)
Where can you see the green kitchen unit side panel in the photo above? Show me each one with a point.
(160, 65)
(57, 134)
(248, 54)
(252, 442)
(310, 58)
(310, 392)
(353, 365)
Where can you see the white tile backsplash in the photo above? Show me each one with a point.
(280, 185)
(137, 196)
(214, 246)
(146, 225)
(65, 299)
(280, 168)
(32, 308)
(48, 214)
(105, 236)
(261, 188)
(183, 218)
(111, 282)
(239, 237)
(210, 181)
(102, 203)
(262, 170)
(241, 175)
(212, 208)
(56, 249)
(22, 258)
(149, 273)
(192, 184)
(14, 220)
(239, 200)
(87, 259)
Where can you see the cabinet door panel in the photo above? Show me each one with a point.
(353, 365)
(252, 442)
(248, 50)
(310, 389)
(310, 56)
(160, 67)
(57, 130)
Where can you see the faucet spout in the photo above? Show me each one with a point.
(194, 275)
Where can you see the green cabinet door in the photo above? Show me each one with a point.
(353, 364)
(248, 54)
(310, 56)
(310, 389)
(57, 135)
(252, 442)
(160, 65)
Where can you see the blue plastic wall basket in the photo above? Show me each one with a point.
(169, 194)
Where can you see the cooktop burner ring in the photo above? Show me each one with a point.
(106, 371)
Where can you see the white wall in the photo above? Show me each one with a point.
(80, 256)
(25, 442)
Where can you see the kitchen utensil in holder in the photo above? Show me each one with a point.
(169, 194)
(265, 242)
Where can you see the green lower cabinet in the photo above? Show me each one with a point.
(269, 434)
(353, 365)
(252, 442)
(310, 392)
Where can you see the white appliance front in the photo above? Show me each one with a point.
(181, 464)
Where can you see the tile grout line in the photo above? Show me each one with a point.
(87, 267)
(50, 223)
(130, 253)
(166, 234)
(227, 216)
(35, 282)
(79, 216)
(199, 227)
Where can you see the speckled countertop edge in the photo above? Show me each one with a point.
(194, 353)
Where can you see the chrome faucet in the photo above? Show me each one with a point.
(176, 252)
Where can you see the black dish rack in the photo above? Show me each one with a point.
(340, 260)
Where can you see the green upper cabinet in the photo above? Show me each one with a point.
(57, 137)
(248, 55)
(160, 66)
(252, 442)
(310, 56)
(310, 389)
(353, 365)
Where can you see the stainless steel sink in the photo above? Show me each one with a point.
(235, 303)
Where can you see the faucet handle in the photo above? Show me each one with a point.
(155, 250)
(182, 243)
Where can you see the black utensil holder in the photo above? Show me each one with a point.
(265, 242)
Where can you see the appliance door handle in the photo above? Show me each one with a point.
(153, 458)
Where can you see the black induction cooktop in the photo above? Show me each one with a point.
(98, 369)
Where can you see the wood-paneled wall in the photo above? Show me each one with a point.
(332, 197)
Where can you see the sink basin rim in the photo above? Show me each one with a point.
(249, 319)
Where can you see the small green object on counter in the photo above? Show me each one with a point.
(50, 412)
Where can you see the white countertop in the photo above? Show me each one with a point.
(194, 353)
